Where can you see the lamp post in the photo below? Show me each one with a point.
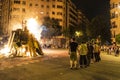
(78, 34)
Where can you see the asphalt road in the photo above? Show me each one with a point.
(55, 66)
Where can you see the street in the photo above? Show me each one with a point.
(54, 65)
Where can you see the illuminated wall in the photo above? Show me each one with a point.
(115, 17)
(0, 12)
(16, 11)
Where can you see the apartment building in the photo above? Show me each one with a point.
(0, 15)
(14, 12)
(72, 15)
(115, 17)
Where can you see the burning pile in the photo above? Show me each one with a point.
(22, 42)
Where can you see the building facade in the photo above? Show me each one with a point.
(71, 13)
(115, 18)
(0, 15)
(14, 12)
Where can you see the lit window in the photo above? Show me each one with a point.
(41, 12)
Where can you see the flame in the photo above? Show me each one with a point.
(33, 27)
(28, 54)
(5, 51)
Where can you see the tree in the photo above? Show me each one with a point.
(52, 26)
(99, 26)
(82, 28)
(118, 38)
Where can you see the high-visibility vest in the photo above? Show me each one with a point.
(83, 49)
(96, 48)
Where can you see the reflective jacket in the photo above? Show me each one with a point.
(83, 49)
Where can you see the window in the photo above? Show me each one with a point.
(59, 0)
(59, 13)
(42, 6)
(23, 2)
(16, 9)
(53, 13)
(41, 12)
(60, 20)
(23, 9)
(47, 6)
(114, 25)
(116, 5)
(0, 7)
(116, 15)
(53, 6)
(112, 15)
(113, 5)
(16, 2)
(119, 4)
(47, 13)
(30, 4)
(36, 4)
(58, 6)
(53, 18)
(114, 34)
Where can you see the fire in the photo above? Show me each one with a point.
(34, 29)
(5, 51)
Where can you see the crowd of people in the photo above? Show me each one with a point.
(111, 49)
(82, 55)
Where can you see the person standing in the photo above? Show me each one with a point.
(73, 53)
(83, 50)
(90, 53)
(116, 51)
(97, 52)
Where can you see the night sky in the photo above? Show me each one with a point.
(92, 8)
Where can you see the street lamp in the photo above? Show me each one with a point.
(78, 33)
